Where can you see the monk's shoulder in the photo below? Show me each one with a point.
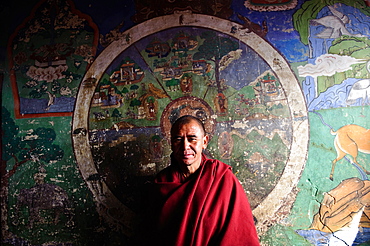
(220, 168)
(217, 163)
(165, 174)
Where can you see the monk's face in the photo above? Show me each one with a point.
(188, 141)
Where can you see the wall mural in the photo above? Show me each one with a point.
(189, 71)
(147, 9)
(48, 54)
(246, 99)
(45, 75)
(270, 5)
(298, 142)
(335, 79)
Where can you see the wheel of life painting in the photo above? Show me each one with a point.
(234, 81)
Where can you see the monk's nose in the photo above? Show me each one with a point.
(186, 144)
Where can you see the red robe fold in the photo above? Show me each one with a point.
(208, 208)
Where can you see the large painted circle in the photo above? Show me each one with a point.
(275, 206)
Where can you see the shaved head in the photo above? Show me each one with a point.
(187, 119)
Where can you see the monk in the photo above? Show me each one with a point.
(199, 201)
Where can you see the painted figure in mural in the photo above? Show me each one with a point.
(198, 201)
(343, 217)
(351, 139)
(44, 196)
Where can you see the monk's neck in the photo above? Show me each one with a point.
(188, 170)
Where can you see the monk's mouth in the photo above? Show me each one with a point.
(186, 156)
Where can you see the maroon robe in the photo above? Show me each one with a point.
(208, 208)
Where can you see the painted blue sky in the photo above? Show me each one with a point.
(281, 33)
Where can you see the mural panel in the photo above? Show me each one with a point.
(220, 74)
(224, 73)
(190, 71)
(49, 53)
(336, 83)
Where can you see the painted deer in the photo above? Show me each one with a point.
(351, 139)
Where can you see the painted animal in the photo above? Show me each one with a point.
(351, 139)
(44, 197)
(250, 26)
(335, 25)
(360, 89)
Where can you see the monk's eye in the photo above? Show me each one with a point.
(178, 139)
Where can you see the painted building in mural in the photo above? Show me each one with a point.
(90, 90)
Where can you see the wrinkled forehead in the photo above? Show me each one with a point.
(191, 125)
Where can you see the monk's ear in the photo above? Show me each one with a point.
(205, 141)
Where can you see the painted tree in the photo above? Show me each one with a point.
(215, 47)
(11, 143)
(134, 87)
(116, 114)
(36, 147)
(172, 84)
(135, 103)
(125, 92)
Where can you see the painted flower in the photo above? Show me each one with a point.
(48, 74)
